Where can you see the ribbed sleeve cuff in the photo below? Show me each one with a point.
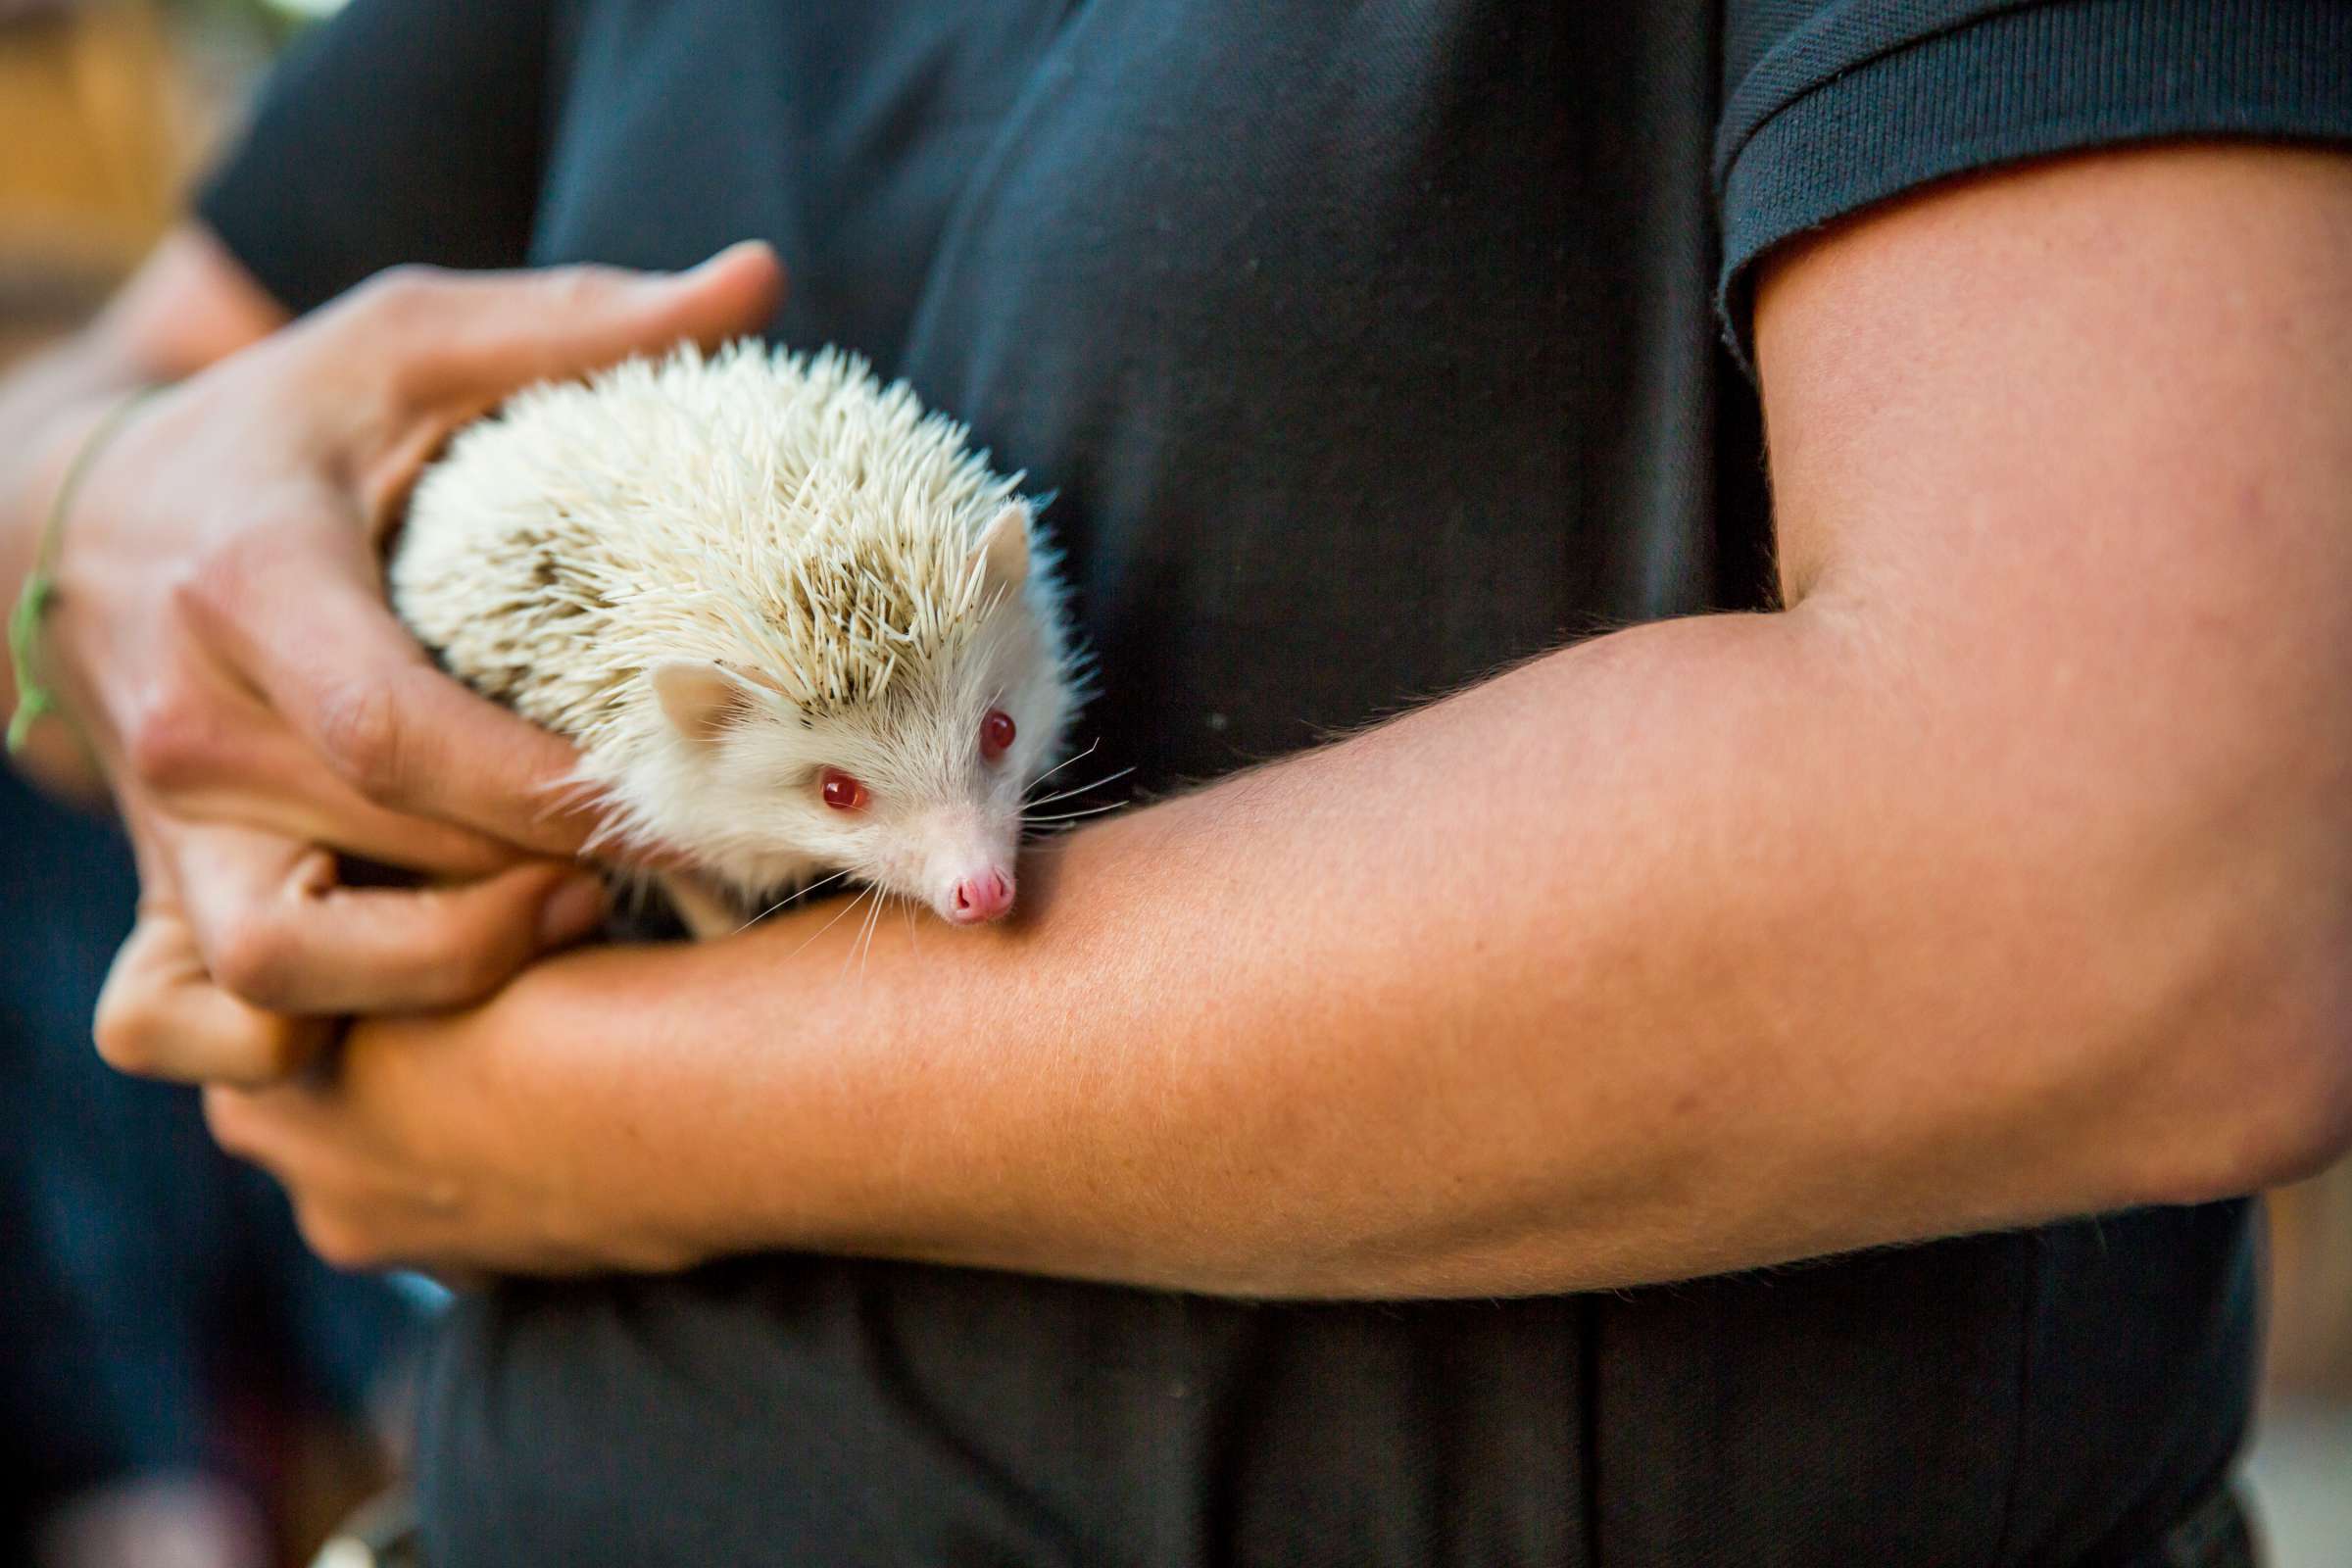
(1833, 120)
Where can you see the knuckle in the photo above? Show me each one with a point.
(278, 1052)
(227, 1120)
(572, 292)
(360, 734)
(251, 959)
(124, 1031)
(473, 963)
(398, 296)
(266, 1052)
(209, 589)
(395, 311)
(339, 1242)
(172, 738)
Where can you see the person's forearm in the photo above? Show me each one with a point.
(189, 305)
(1706, 945)
(49, 406)
(2007, 874)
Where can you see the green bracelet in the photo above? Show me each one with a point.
(34, 699)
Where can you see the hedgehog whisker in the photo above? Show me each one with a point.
(1064, 762)
(789, 898)
(1052, 829)
(863, 944)
(828, 925)
(1107, 778)
(871, 932)
(1072, 817)
(857, 936)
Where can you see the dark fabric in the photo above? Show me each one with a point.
(1368, 347)
(1860, 102)
(408, 132)
(2216, 1535)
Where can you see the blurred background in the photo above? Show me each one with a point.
(183, 1387)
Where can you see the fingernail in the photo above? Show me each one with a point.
(573, 910)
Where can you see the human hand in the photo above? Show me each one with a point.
(426, 1142)
(220, 635)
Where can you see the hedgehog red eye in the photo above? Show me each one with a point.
(996, 734)
(842, 792)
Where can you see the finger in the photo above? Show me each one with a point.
(481, 337)
(275, 928)
(355, 1208)
(336, 666)
(289, 1131)
(222, 757)
(160, 1016)
(478, 336)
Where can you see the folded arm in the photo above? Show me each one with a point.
(2007, 874)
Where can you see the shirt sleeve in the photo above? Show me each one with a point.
(1830, 106)
(403, 130)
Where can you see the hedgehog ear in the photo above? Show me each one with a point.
(1003, 552)
(700, 698)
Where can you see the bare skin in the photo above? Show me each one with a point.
(2007, 874)
(222, 642)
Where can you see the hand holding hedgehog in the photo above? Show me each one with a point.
(796, 628)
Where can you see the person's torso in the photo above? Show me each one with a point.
(1367, 348)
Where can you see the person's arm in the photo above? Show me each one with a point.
(189, 305)
(2007, 874)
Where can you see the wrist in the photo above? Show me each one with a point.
(567, 1116)
(48, 753)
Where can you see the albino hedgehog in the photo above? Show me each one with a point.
(794, 626)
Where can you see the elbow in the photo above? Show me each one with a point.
(2311, 1136)
(2202, 947)
(2254, 1076)
(2261, 1135)
(2296, 1123)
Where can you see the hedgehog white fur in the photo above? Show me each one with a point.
(794, 624)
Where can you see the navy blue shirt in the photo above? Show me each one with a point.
(1368, 347)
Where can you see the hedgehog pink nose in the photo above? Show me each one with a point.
(985, 897)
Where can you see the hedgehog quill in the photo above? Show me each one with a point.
(795, 627)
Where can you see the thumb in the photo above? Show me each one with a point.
(473, 338)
